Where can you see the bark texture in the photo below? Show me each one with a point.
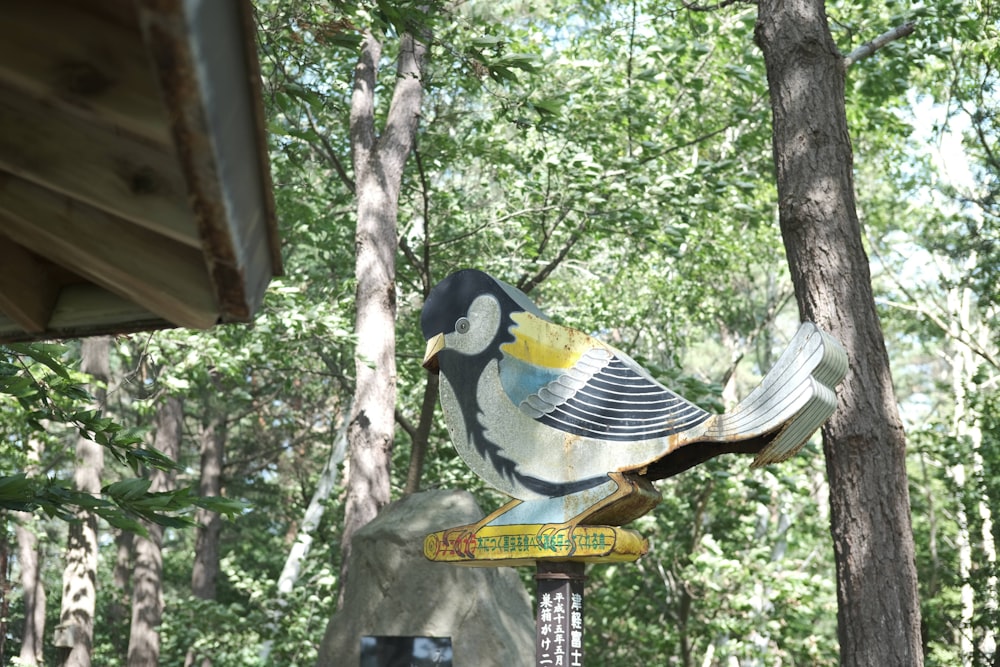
(205, 571)
(147, 576)
(420, 437)
(79, 593)
(29, 555)
(378, 170)
(121, 579)
(864, 443)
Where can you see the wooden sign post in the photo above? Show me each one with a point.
(559, 616)
(575, 431)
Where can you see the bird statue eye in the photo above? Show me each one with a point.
(463, 325)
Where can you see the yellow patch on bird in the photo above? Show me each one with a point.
(546, 344)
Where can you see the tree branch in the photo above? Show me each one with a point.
(963, 337)
(399, 134)
(653, 155)
(420, 437)
(694, 7)
(411, 257)
(425, 189)
(490, 223)
(866, 50)
(405, 424)
(331, 155)
(775, 306)
(526, 284)
(362, 123)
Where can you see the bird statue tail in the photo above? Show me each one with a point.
(793, 400)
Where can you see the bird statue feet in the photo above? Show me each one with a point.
(633, 497)
(460, 543)
(524, 532)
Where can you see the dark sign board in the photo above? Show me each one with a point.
(406, 652)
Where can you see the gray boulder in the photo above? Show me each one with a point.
(392, 590)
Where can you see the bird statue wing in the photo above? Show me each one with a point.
(579, 385)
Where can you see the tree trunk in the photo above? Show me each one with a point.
(314, 514)
(29, 555)
(205, 571)
(5, 586)
(147, 588)
(420, 438)
(79, 592)
(878, 612)
(966, 428)
(299, 552)
(118, 610)
(378, 169)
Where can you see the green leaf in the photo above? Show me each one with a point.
(124, 522)
(127, 489)
(225, 506)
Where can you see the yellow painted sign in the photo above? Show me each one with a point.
(525, 544)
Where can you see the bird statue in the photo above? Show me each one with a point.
(573, 429)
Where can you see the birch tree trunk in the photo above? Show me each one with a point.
(5, 587)
(75, 631)
(147, 584)
(297, 555)
(864, 443)
(966, 428)
(378, 171)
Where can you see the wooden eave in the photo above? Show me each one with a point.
(135, 190)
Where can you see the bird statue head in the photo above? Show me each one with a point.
(467, 315)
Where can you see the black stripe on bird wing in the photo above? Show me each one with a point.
(625, 382)
(631, 392)
(618, 382)
(604, 397)
(564, 419)
(618, 403)
(658, 408)
(618, 411)
(605, 419)
(618, 367)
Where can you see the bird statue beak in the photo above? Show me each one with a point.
(434, 345)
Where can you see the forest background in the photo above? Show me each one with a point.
(614, 160)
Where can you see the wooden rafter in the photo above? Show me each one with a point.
(28, 294)
(169, 278)
(133, 155)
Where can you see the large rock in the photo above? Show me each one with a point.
(392, 590)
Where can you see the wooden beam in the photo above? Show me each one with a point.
(84, 309)
(117, 173)
(28, 293)
(256, 108)
(205, 60)
(83, 58)
(166, 277)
